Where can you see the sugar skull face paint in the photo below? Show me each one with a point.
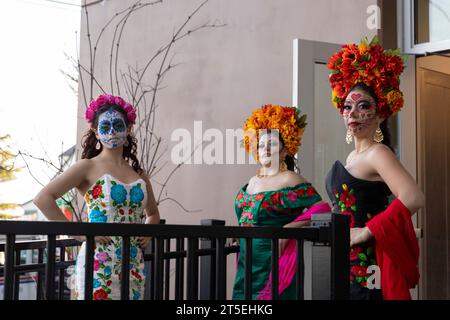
(269, 148)
(112, 129)
(360, 112)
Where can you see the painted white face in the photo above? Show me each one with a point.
(269, 148)
(112, 129)
(360, 113)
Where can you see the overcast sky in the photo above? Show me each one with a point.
(38, 108)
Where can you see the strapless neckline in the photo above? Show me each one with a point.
(118, 180)
(356, 178)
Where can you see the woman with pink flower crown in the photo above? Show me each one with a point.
(115, 189)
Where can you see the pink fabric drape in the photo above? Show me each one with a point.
(288, 258)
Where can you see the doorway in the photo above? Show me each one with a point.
(433, 155)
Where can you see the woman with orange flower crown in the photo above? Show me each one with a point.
(365, 81)
(114, 191)
(275, 197)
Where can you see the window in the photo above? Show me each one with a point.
(424, 25)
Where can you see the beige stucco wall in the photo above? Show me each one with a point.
(224, 74)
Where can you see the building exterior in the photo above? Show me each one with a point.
(274, 52)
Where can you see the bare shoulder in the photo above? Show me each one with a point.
(73, 177)
(291, 178)
(252, 180)
(381, 152)
(82, 167)
(146, 179)
(381, 157)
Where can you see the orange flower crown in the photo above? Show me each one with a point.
(369, 64)
(286, 120)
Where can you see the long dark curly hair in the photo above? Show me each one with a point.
(89, 141)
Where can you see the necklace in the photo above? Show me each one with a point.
(283, 167)
(359, 153)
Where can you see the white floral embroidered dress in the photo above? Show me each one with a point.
(110, 200)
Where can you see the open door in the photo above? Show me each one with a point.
(324, 139)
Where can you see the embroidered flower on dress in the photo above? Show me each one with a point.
(354, 253)
(107, 270)
(259, 197)
(100, 295)
(118, 193)
(347, 203)
(136, 295)
(102, 256)
(246, 219)
(97, 216)
(292, 196)
(97, 191)
(275, 198)
(136, 194)
(133, 252)
(97, 283)
(265, 205)
(359, 271)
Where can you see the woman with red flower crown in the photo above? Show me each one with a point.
(275, 197)
(114, 190)
(365, 82)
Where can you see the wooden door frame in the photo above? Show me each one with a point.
(440, 65)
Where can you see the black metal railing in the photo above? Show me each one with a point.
(187, 284)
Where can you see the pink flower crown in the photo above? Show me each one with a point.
(107, 99)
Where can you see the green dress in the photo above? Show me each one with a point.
(268, 209)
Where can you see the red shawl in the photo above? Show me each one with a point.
(397, 251)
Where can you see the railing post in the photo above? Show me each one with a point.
(274, 262)
(125, 270)
(9, 267)
(300, 270)
(159, 270)
(192, 269)
(40, 276)
(167, 271)
(50, 268)
(208, 263)
(61, 282)
(179, 271)
(221, 269)
(149, 267)
(248, 266)
(340, 257)
(17, 276)
(89, 268)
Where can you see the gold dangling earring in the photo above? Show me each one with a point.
(349, 137)
(98, 145)
(378, 137)
(283, 166)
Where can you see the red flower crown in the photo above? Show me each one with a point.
(107, 99)
(369, 64)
